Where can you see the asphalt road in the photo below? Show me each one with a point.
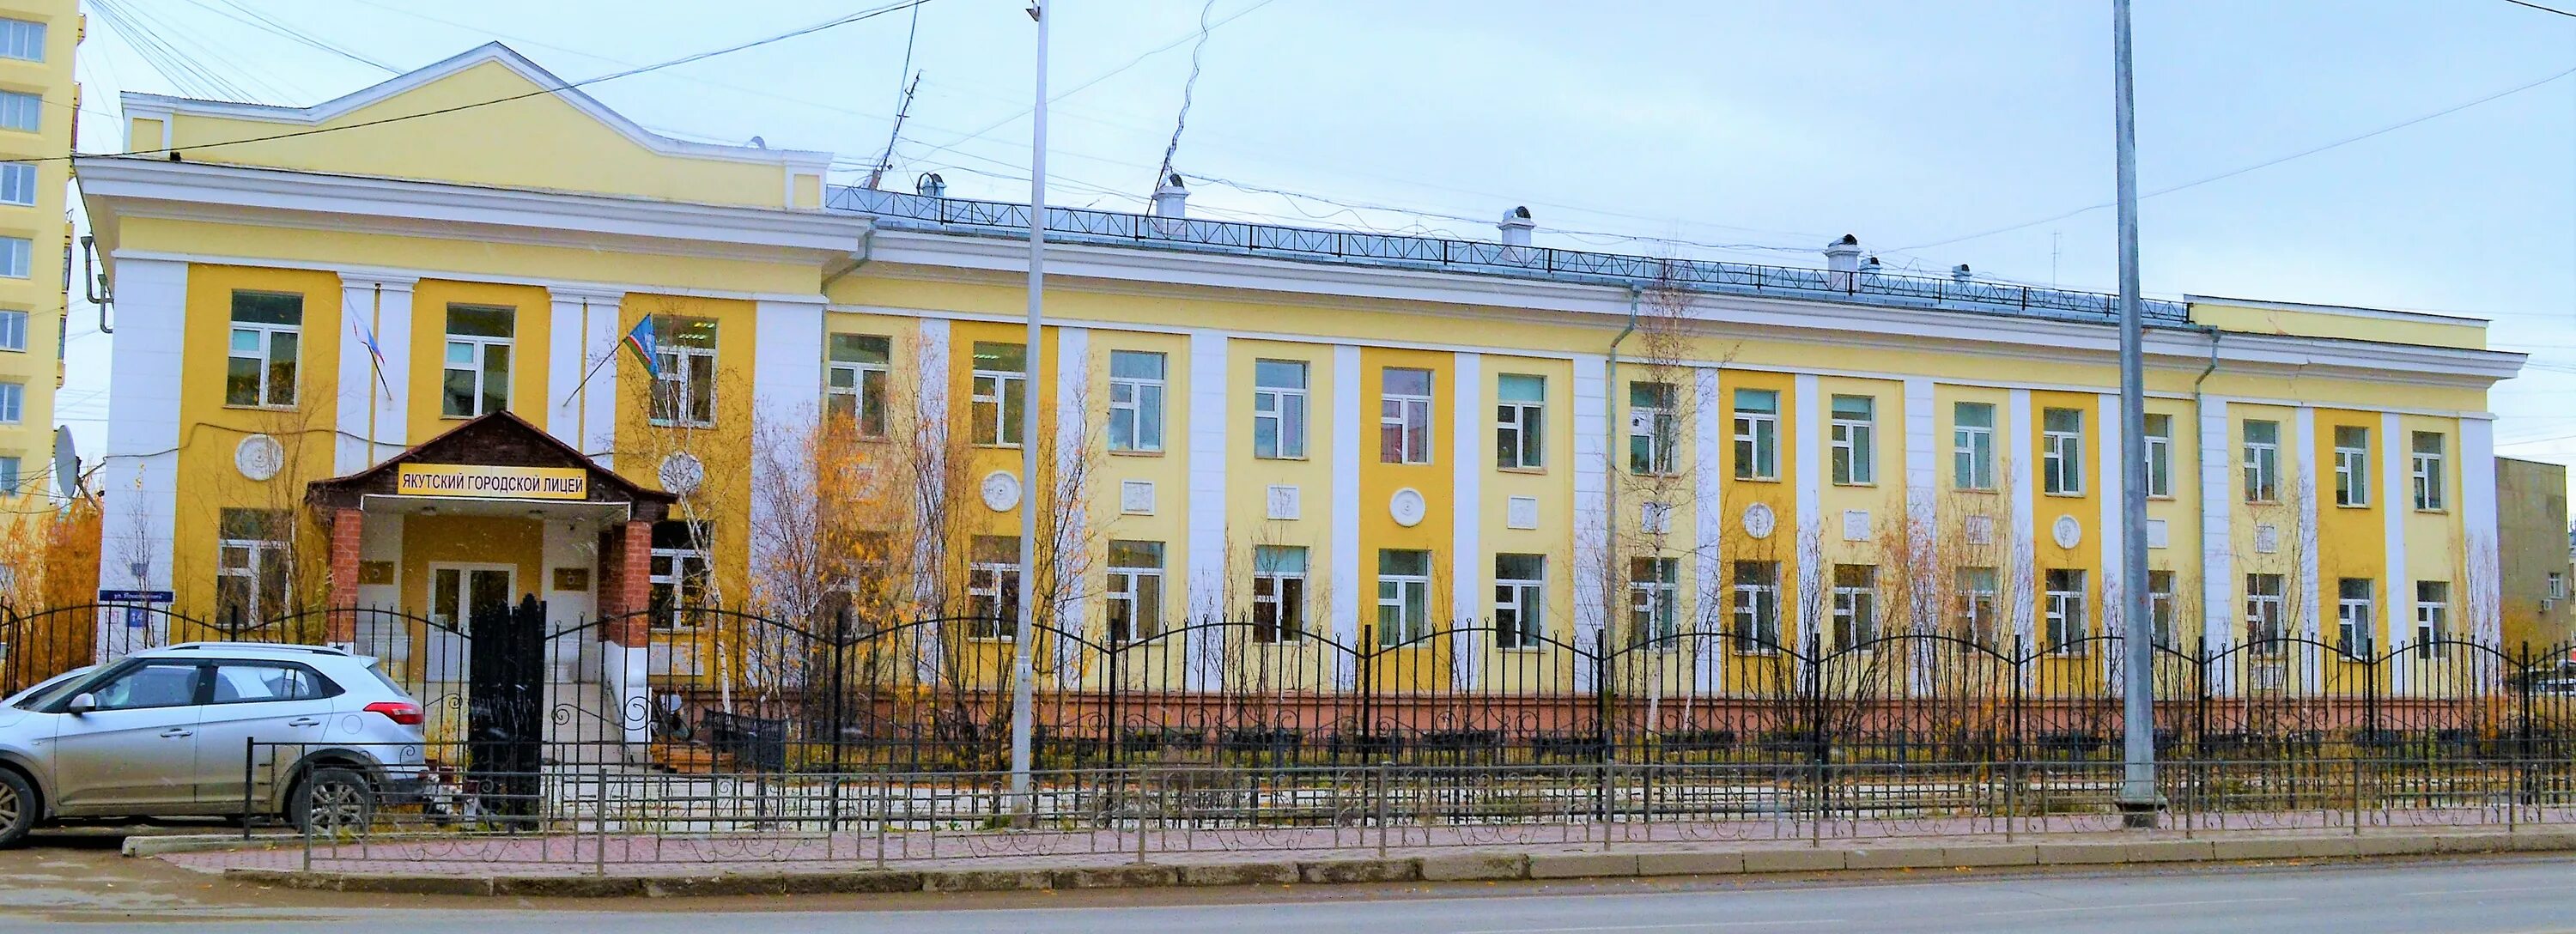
(74, 883)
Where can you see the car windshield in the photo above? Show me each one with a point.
(51, 690)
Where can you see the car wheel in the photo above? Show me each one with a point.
(18, 807)
(330, 800)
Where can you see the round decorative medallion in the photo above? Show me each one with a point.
(1001, 491)
(259, 457)
(2066, 531)
(681, 473)
(1408, 507)
(1759, 520)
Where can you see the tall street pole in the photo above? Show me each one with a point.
(1023, 673)
(2138, 799)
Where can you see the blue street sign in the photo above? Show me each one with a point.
(136, 596)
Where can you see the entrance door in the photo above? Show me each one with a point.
(459, 592)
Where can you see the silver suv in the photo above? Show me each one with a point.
(316, 735)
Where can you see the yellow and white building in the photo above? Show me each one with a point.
(1336, 433)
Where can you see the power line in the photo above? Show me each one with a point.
(2544, 9)
(631, 72)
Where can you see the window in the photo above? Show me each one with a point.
(854, 393)
(2262, 462)
(1520, 422)
(1520, 600)
(1278, 593)
(1855, 440)
(1757, 434)
(2061, 452)
(2352, 465)
(13, 403)
(1977, 593)
(993, 587)
(22, 112)
(685, 350)
(16, 255)
(1654, 600)
(18, 184)
(1279, 409)
(1855, 606)
(1000, 392)
(13, 330)
(2064, 590)
(2160, 607)
(478, 361)
(1972, 446)
(681, 573)
(1652, 429)
(2159, 456)
(1135, 401)
(2354, 611)
(156, 684)
(9, 476)
(1757, 606)
(2428, 470)
(2432, 618)
(256, 682)
(1404, 417)
(261, 367)
(1403, 596)
(254, 567)
(1135, 589)
(2558, 585)
(2263, 608)
(22, 40)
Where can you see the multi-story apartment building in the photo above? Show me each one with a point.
(2533, 544)
(1336, 435)
(39, 102)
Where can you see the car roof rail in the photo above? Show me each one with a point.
(258, 647)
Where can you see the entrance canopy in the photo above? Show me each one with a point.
(497, 464)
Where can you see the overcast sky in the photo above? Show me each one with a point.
(1755, 130)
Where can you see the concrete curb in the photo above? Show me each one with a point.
(1444, 867)
(140, 846)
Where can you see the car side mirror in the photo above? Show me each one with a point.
(81, 704)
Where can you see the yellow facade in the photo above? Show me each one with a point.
(39, 290)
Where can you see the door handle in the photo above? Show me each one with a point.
(176, 732)
(304, 721)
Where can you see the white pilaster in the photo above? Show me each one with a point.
(2024, 577)
(1591, 422)
(2397, 599)
(2218, 495)
(2484, 601)
(786, 397)
(2303, 434)
(372, 405)
(1206, 431)
(1347, 599)
(2113, 533)
(140, 467)
(1072, 430)
(574, 344)
(1811, 511)
(930, 438)
(1708, 489)
(1469, 568)
(1922, 485)
(595, 430)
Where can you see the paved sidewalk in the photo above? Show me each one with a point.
(743, 865)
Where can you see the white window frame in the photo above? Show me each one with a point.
(992, 391)
(477, 348)
(1855, 607)
(2061, 455)
(2262, 462)
(1656, 425)
(993, 583)
(676, 382)
(1524, 601)
(698, 560)
(22, 40)
(13, 403)
(2558, 585)
(1409, 414)
(861, 385)
(1979, 590)
(1402, 593)
(18, 184)
(2064, 620)
(2352, 468)
(13, 329)
(1132, 398)
(17, 257)
(1654, 604)
(2266, 613)
(1276, 408)
(1520, 432)
(9, 477)
(1757, 437)
(255, 553)
(2427, 469)
(1127, 588)
(22, 112)
(2160, 607)
(1972, 448)
(1854, 452)
(1755, 607)
(2432, 619)
(1270, 592)
(2356, 618)
(2159, 454)
(263, 351)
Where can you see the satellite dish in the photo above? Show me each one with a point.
(66, 463)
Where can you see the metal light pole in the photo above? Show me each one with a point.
(1023, 672)
(2138, 799)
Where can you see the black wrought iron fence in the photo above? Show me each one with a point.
(730, 691)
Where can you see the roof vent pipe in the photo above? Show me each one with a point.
(1959, 273)
(1842, 262)
(1171, 198)
(930, 185)
(1516, 226)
